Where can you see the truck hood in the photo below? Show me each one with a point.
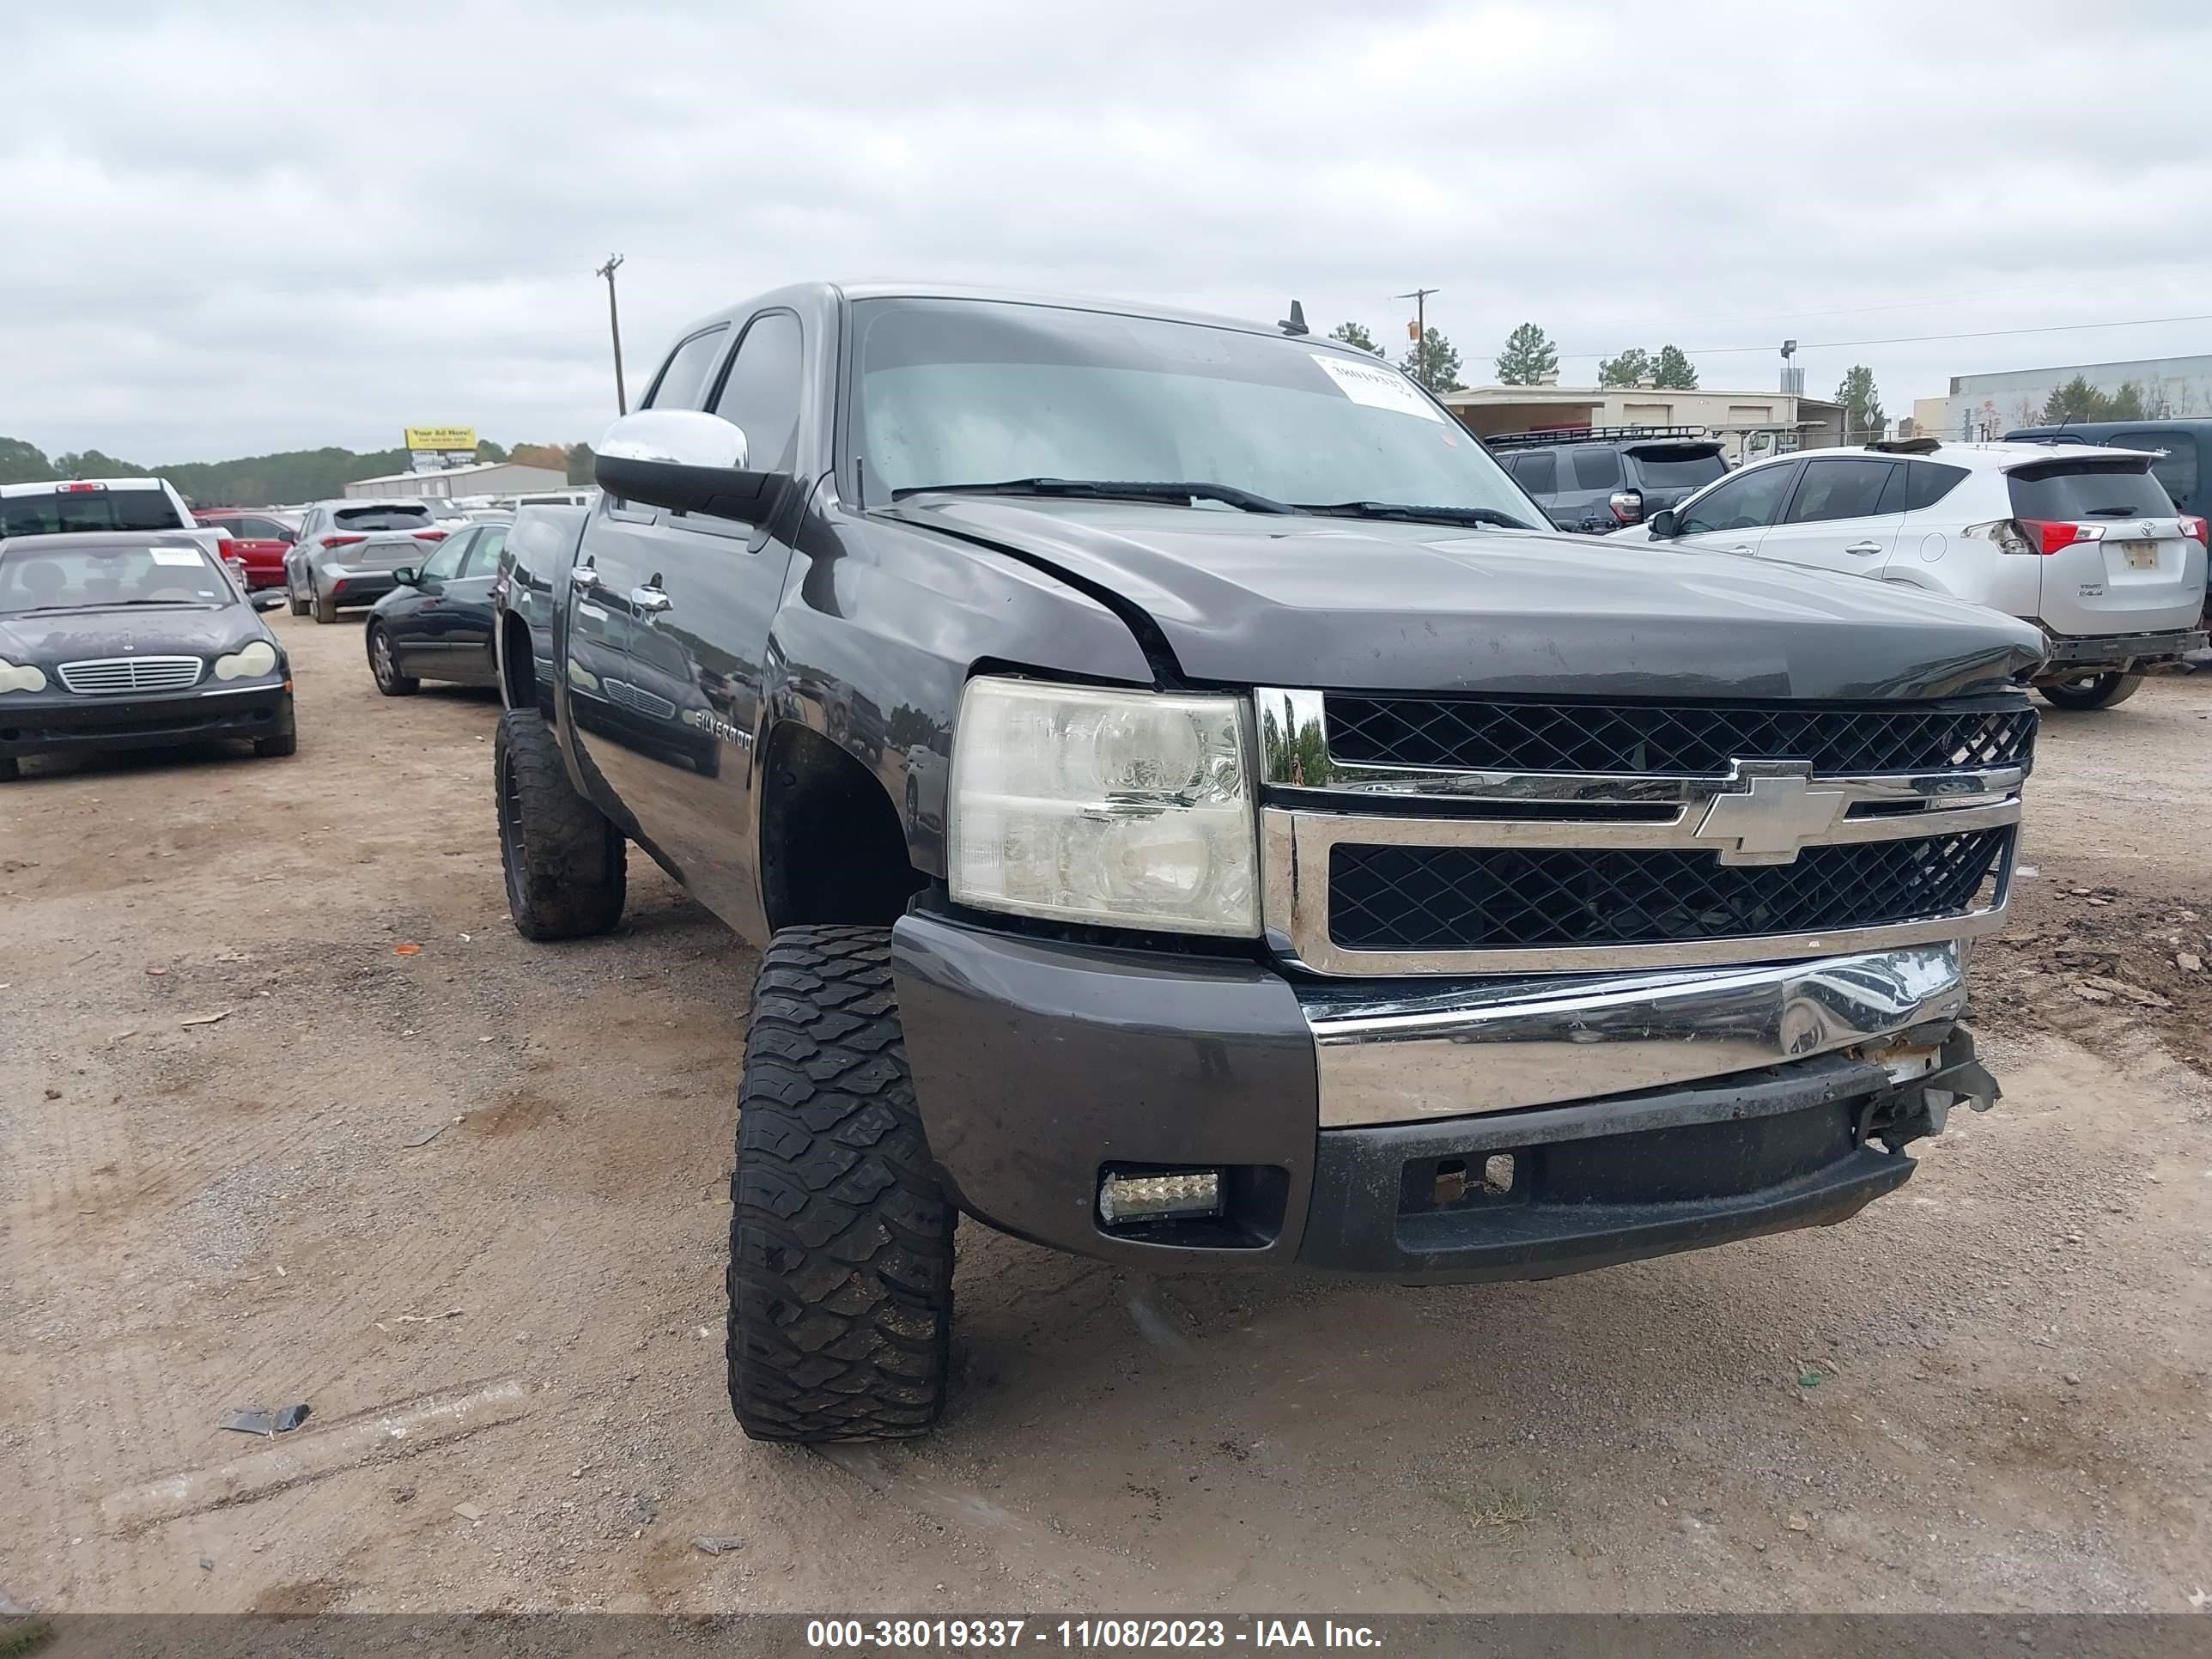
(1340, 603)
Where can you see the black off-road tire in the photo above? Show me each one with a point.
(2103, 692)
(389, 680)
(567, 866)
(840, 1236)
(327, 611)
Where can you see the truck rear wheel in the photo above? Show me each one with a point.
(840, 1236)
(2101, 691)
(566, 866)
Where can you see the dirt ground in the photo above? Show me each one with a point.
(1989, 1391)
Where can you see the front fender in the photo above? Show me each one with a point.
(880, 625)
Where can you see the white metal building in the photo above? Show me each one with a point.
(1983, 406)
(484, 478)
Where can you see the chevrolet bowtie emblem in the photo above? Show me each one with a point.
(1770, 811)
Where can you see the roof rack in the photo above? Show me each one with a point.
(1905, 446)
(1592, 434)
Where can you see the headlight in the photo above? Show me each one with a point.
(1128, 807)
(255, 660)
(25, 679)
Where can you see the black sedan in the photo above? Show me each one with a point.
(437, 623)
(131, 639)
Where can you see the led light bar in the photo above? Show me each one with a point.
(1146, 1198)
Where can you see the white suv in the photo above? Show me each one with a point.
(2079, 539)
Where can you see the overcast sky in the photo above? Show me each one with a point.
(237, 227)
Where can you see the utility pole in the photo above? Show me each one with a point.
(614, 323)
(1420, 296)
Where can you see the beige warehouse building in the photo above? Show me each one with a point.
(484, 478)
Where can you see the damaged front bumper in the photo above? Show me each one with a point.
(1360, 1131)
(2078, 657)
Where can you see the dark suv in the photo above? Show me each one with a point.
(1599, 478)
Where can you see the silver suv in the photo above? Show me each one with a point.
(2080, 539)
(349, 552)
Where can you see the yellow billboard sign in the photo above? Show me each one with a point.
(441, 438)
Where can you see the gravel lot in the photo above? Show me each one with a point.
(1989, 1391)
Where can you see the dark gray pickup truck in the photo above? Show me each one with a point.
(1193, 816)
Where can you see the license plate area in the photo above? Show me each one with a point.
(2140, 556)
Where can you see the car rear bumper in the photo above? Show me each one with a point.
(2120, 653)
(52, 725)
(345, 585)
(1717, 1106)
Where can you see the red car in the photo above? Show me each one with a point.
(259, 540)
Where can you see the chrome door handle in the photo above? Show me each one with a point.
(650, 600)
(1746, 548)
(583, 576)
(1863, 547)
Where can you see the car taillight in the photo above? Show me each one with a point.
(341, 541)
(1627, 506)
(430, 535)
(2196, 529)
(81, 488)
(2046, 537)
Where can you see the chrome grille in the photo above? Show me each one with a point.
(638, 702)
(1535, 735)
(1602, 837)
(1463, 898)
(101, 675)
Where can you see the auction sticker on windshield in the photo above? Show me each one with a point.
(1377, 388)
(176, 555)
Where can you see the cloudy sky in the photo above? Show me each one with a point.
(235, 228)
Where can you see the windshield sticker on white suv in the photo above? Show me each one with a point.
(1377, 388)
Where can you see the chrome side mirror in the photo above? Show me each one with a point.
(674, 437)
(685, 460)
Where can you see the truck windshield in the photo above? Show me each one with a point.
(968, 392)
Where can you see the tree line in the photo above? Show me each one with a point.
(1529, 357)
(291, 476)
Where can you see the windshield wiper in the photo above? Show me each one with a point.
(1139, 490)
(1407, 514)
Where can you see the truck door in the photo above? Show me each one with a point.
(624, 727)
(698, 594)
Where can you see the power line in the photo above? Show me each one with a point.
(1922, 339)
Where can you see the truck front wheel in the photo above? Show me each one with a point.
(566, 865)
(840, 1236)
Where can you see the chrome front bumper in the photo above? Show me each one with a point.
(1408, 1056)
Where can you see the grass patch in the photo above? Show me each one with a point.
(1499, 1507)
